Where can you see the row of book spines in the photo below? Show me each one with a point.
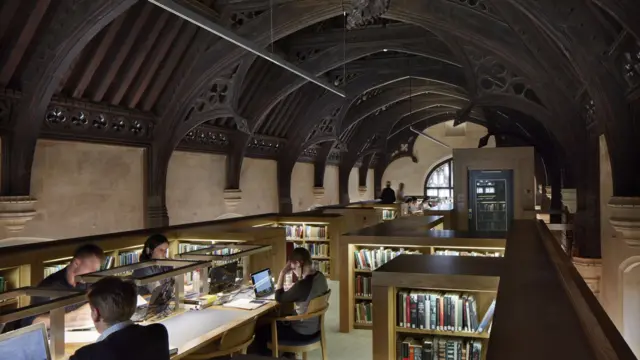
(371, 259)
(364, 313)
(183, 248)
(301, 232)
(363, 286)
(467, 253)
(436, 311)
(50, 269)
(129, 257)
(322, 266)
(438, 348)
(315, 249)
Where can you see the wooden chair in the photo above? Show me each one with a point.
(317, 309)
(234, 341)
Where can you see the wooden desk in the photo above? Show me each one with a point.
(191, 330)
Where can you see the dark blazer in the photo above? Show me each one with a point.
(135, 342)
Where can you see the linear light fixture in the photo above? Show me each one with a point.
(229, 35)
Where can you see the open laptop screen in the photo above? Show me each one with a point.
(28, 343)
(262, 282)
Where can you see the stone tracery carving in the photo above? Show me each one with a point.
(629, 60)
(215, 95)
(477, 5)
(241, 18)
(368, 95)
(494, 77)
(80, 120)
(366, 12)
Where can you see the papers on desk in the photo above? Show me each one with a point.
(246, 304)
(82, 337)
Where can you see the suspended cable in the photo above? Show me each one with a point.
(271, 13)
(344, 44)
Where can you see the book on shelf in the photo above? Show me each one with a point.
(315, 249)
(369, 259)
(130, 257)
(51, 269)
(436, 311)
(364, 313)
(188, 247)
(322, 265)
(306, 232)
(107, 263)
(388, 214)
(437, 348)
(468, 253)
(363, 286)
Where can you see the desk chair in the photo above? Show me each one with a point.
(233, 341)
(317, 309)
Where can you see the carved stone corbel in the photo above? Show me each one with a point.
(16, 211)
(625, 219)
(318, 193)
(591, 272)
(232, 198)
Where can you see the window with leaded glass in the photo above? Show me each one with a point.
(439, 182)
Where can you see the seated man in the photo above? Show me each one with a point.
(86, 259)
(310, 285)
(113, 302)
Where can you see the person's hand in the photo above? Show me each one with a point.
(287, 268)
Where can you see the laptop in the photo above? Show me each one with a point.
(161, 303)
(28, 343)
(223, 277)
(263, 285)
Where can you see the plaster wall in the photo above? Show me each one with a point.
(195, 187)
(83, 189)
(429, 154)
(620, 282)
(354, 192)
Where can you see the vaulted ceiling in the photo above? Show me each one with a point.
(543, 73)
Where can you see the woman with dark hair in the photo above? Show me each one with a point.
(310, 285)
(155, 248)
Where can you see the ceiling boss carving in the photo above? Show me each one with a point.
(366, 12)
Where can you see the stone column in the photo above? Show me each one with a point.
(362, 191)
(570, 201)
(318, 193)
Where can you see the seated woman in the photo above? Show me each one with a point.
(310, 285)
(155, 247)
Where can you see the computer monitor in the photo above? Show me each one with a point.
(223, 277)
(29, 343)
(262, 283)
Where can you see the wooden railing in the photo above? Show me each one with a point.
(544, 309)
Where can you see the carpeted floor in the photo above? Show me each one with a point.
(353, 346)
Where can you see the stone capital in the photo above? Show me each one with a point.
(362, 191)
(318, 193)
(16, 211)
(232, 198)
(625, 218)
(570, 199)
(591, 272)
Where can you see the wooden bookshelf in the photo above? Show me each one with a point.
(407, 233)
(31, 259)
(476, 278)
(318, 233)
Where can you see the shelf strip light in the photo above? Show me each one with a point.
(209, 25)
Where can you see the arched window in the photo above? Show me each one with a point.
(439, 182)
